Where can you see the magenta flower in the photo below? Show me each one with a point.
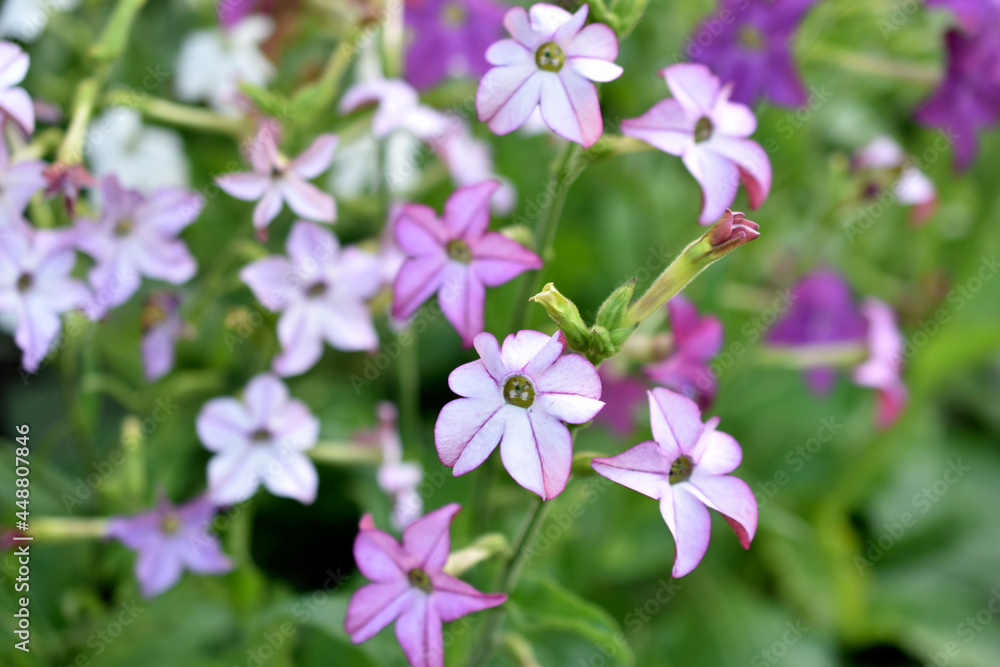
(169, 540)
(456, 257)
(259, 440)
(276, 179)
(162, 326)
(18, 183)
(969, 97)
(696, 340)
(972, 15)
(449, 37)
(709, 133)
(622, 395)
(686, 468)
(36, 287)
(137, 236)
(410, 587)
(754, 51)
(519, 397)
(881, 370)
(14, 100)
(549, 63)
(321, 292)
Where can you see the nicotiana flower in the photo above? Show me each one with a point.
(709, 133)
(449, 37)
(276, 179)
(549, 63)
(456, 257)
(231, 12)
(622, 394)
(170, 539)
(321, 291)
(399, 479)
(18, 182)
(141, 157)
(969, 97)
(410, 587)
(696, 340)
(24, 20)
(752, 49)
(519, 396)
(213, 62)
(881, 370)
(136, 236)
(686, 467)
(162, 326)
(399, 108)
(15, 103)
(881, 159)
(259, 440)
(36, 287)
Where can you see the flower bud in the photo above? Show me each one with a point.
(566, 315)
(731, 231)
(613, 309)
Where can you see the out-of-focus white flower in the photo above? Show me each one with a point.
(142, 157)
(24, 20)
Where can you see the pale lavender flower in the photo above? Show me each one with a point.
(882, 369)
(15, 103)
(19, 181)
(162, 326)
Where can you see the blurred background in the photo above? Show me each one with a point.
(874, 547)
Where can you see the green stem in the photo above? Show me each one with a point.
(408, 376)
(71, 149)
(60, 529)
(343, 453)
(180, 115)
(869, 64)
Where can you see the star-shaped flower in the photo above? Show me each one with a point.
(709, 133)
(169, 540)
(410, 587)
(259, 440)
(14, 100)
(321, 292)
(449, 37)
(36, 287)
(686, 468)
(752, 49)
(136, 236)
(549, 63)
(456, 257)
(19, 181)
(696, 340)
(519, 397)
(276, 179)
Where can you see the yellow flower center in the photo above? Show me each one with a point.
(459, 251)
(519, 391)
(681, 469)
(751, 38)
(25, 282)
(550, 57)
(703, 129)
(124, 227)
(419, 579)
(170, 524)
(454, 15)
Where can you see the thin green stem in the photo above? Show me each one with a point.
(408, 376)
(180, 115)
(344, 453)
(866, 63)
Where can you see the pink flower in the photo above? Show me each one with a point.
(456, 257)
(18, 183)
(14, 101)
(276, 179)
(169, 539)
(709, 133)
(396, 477)
(696, 341)
(622, 395)
(410, 587)
(399, 108)
(259, 440)
(881, 370)
(321, 292)
(519, 397)
(36, 286)
(686, 469)
(549, 63)
(137, 236)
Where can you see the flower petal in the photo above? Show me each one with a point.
(732, 498)
(374, 606)
(428, 539)
(676, 421)
(272, 280)
(644, 468)
(537, 451)
(665, 126)
(419, 633)
(416, 281)
(264, 395)
(247, 186)
(716, 453)
(419, 232)
(507, 52)
(719, 179)
(459, 423)
(267, 208)
(498, 259)
(463, 301)
(158, 569)
(467, 211)
(594, 41)
(694, 86)
(472, 380)
(316, 159)
(689, 522)
(307, 200)
(453, 598)
(292, 475)
(301, 340)
(571, 375)
(489, 351)
(753, 163)
(378, 555)
(222, 423)
(511, 111)
(520, 348)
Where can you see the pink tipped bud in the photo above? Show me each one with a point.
(732, 230)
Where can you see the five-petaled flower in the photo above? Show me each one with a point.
(686, 467)
(519, 396)
(169, 539)
(410, 587)
(709, 133)
(321, 291)
(260, 439)
(456, 257)
(550, 63)
(14, 100)
(276, 179)
(136, 236)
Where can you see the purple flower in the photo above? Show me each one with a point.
(450, 37)
(259, 440)
(14, 100)
(410, 587)
(549, 63)
(622, 395)
(231, 12)
(276, 179)
(686, 468)
(709, 133)
(969, 96)
(881, 370)
(36, 286)
(169, 540)
(972, 15)
(695, 341)
(161, 328)
(456, 257)
(321, 292)
(519, 397)
(18, 183)
(753, 52)
(137, 236)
